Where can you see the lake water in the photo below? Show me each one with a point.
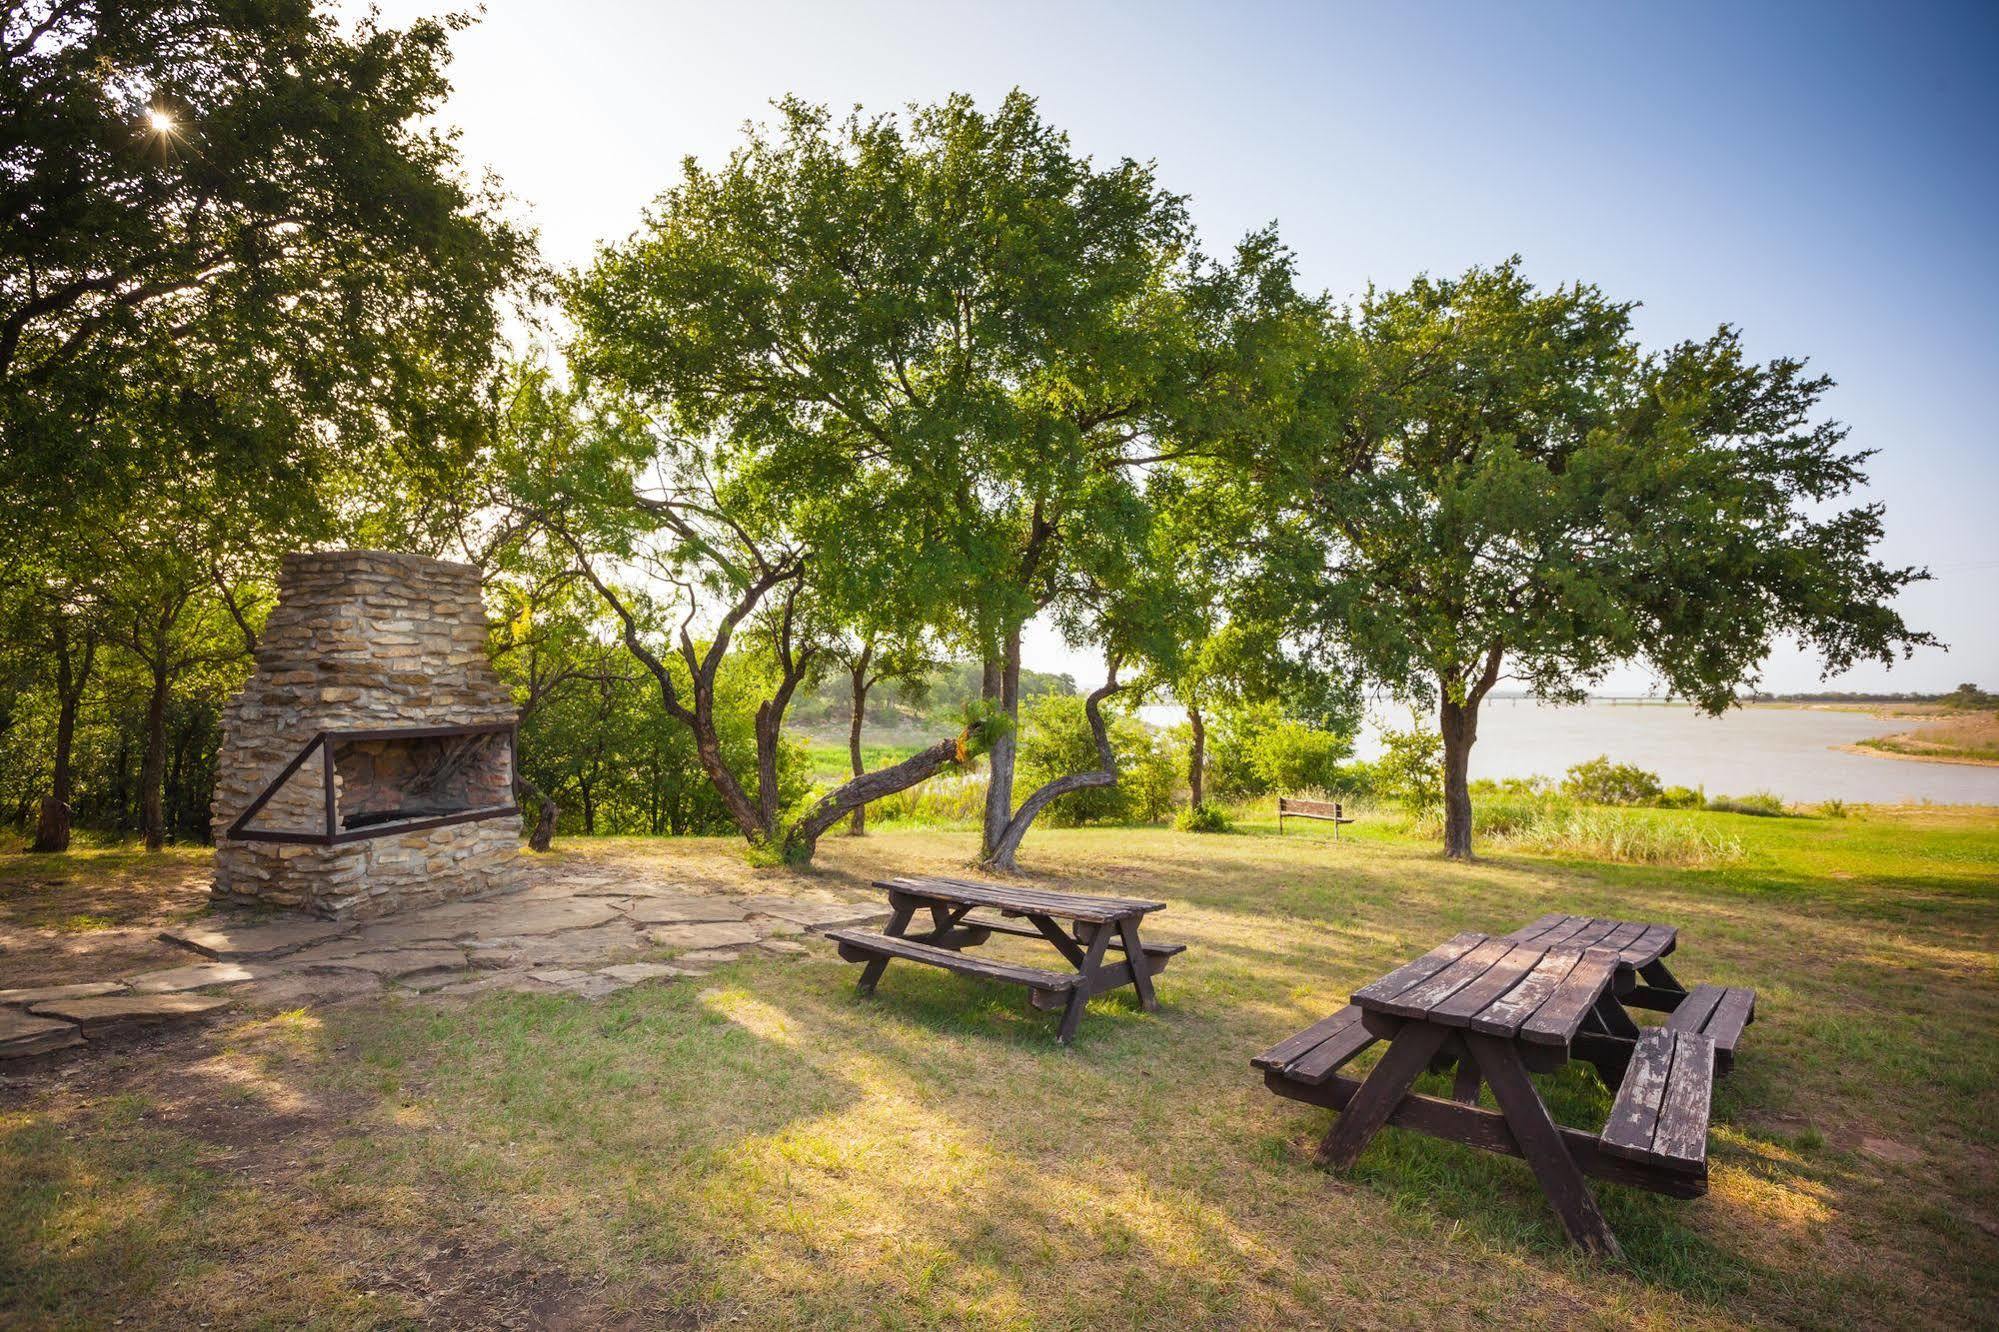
(1786, 750)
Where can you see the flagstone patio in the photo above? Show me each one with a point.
(572, 928)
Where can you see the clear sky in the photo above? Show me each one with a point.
(1821, 175)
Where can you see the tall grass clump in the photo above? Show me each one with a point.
(1552, 825)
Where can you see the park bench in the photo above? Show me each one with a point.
(1291, 807)
(1497, 1008)
(1095, 926)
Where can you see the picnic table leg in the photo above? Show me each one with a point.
(1464, 1088)
(1377, 1098)
(897, 923)
(1141, 970)
(1072, 1015)
(1541, 1143)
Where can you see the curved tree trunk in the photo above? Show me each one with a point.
(803, 837)
(858, 825)
(1001, 856)
(1197, 758)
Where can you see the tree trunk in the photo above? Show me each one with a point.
(153, 772)
(1197, 758)
(1003, 684)
(52, 827)
(1001, 857)
(858, 825)
(543, 835)
(1459, 724)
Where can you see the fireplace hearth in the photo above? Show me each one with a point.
(368, 765)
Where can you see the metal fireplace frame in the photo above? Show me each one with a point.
(323, 741)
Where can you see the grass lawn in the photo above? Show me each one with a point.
(765, 1148)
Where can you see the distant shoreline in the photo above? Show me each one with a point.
(1915, 758)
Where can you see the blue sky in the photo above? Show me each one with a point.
(1822, 176)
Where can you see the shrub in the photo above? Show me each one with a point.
(1056, 740)
(1833, 809)
(1763, 804)
(1680, 797)
(1410, 770)
(1204, 819)
(1601, 782)
(1256, 749)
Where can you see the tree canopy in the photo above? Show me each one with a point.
(1516, 488)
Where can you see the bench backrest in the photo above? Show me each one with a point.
(1322, 809)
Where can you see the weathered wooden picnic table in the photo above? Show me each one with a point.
(1095, 925)
(1497, 1008)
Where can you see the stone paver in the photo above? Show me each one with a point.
(785, 948)
(23, 1034)
(572, 948)
(38, 994)
(221, 938)
(704, 936)
(820, 915)
(130, 1009)
(299, 989)
(394, 962)
(634, 972)
(711, 955)
(686, 910)
(175, 979)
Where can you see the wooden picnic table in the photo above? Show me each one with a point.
(1498, 1008)
(1094, 926)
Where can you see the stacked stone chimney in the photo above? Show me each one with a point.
(370, 641)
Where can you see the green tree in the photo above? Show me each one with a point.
(236, 213)
(948, 348)
(1515, 487)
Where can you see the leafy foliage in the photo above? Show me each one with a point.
(1598, 781)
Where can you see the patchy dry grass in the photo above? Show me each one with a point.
(767, 1148)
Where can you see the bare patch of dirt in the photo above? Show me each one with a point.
(93, 916)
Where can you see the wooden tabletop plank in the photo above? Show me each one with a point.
(1543, 930)
(1420, 998)
(1025, 901)
(1424, 967)
(1504, 1015)
(1029, 891)
(1623, 936)
(1557, 936)
(1653, 944)
(1592, 934)
(1557, 1021)
(1509, 971)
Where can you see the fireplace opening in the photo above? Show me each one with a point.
(379, 783)
(394, 778)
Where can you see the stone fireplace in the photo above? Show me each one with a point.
(368, 765)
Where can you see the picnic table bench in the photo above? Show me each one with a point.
(1095, 925)
(1292, 807)
(1498, 1008)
